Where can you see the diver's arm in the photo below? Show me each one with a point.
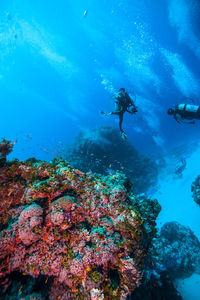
(175, 117)
(182, 120)
(133, 110)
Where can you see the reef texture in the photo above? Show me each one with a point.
(177, 251)
(5, 148)
(196, 190)
(89, 235)
(104, 151)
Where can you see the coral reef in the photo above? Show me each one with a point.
(177, 251)
(86, 235)
(195, 188)
(104, 151)
(5, 149)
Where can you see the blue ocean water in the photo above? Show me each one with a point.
(61, 61)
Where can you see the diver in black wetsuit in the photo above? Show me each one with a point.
(180, 167)
(185, 112)
(123, 103)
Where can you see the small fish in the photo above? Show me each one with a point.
(14, 142)
(46, 280)
(10, 193)
(20, 288)
(99, 249)
(83, 282)
(5, 220)
(85, 13)
(28, 137)
(36, 272)
(53, 153)
(12, 247)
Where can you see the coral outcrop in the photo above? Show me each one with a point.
(177, 251)
(5, 148)
(87, 234)
(103, 151)
(195, 188)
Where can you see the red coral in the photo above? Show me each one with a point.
(72, 226)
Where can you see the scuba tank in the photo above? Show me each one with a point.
(187, 108)
(191, 105)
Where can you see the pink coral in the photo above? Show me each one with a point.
(75, 228)
(29, 218)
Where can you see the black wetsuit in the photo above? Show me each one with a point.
(122, 104)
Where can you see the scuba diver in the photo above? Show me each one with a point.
(180, 167)
(185, 112)
(123, 103)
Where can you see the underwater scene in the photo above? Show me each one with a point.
(100, 149)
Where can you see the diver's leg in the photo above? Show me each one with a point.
(121, 116)
(123, 134)
(117, 111)
(110, 113)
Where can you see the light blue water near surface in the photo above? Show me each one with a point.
(61, 61)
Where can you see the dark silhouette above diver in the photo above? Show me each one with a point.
(123, 103)
(183, 112)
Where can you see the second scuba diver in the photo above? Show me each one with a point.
(123, 103)
(184, 112)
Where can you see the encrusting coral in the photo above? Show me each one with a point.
(89, 233)
(177, 251)
(195, 188)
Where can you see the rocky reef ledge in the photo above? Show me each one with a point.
(83, 236)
